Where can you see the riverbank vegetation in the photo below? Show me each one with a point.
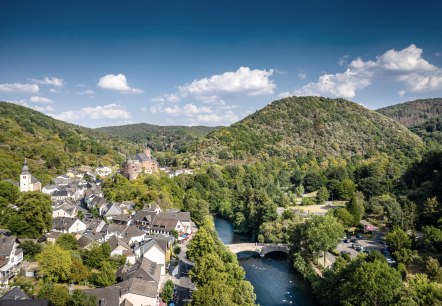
(219, 278)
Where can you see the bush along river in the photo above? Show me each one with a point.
(275, 281)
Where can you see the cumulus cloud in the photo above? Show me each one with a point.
(302, 75)
(43, 109)
(109, 111)
(208, 96)
(343, 60)
(117, 82)
(405, 66)
(19, 88)
(57, 82)
(38, 99)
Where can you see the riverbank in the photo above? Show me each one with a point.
(275, 281)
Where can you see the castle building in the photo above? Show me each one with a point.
(141, 163)
(27, 181)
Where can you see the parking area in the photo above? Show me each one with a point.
(349, 245)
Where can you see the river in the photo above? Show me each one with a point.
(273, 277)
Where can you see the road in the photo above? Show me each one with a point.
(183, 284)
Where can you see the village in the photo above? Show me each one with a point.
(147, 238)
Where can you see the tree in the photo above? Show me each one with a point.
(94, 257)
(80, 215)
(433, 269)
(57, 294)
(431, 211)
(200, 245)
(54, 263)
(79, 272)
(423, 292)
(67, 242)
(174, 233)
(106, 277)
(34, 215)
(432, 237)
(344, 216)
(9, 193)
(319, 234)
(382, 285)
(322, 195)
(78, 298)
(398, 239)
(356, 207)
(167, 292)
(30, 249)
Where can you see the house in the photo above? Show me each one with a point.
(123, 219)
(163, 223)
(27, 181)
(184, 218)
(143, 219)
(50, 237)
(144, 269)
(15, 294)
(68, 225)
(118, 246)
(64, 210)
(49, 189)
(62, 179)
(153, 251)
(108, 296)
(60, 195)
(10, 258)
(85, 243)
(112, 211)
(138, 292)
(95, 225)
(112, 229)
(131, 234)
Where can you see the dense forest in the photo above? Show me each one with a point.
(414, 112)
(430, 130)
(298, 127)
(50, 145)
(159, 138)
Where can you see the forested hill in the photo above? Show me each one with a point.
(309, 126)
(414, 112)
(159, 138)
(51, 145)
(430, 130)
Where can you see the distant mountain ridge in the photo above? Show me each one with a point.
(52, 145)
(159, 138)
(414, 112)
(309, 126)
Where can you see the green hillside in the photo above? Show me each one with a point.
(430, 130)
(160, 138)
(310, 126)
(51, 145)
(414, 112)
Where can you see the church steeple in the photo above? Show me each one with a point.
(25, 169)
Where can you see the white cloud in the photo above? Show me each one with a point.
(57, 82)
(405, 66)
(53, 90)
(109, 111)
(19, 87)
(164, 98)
(46, 108)
(401, 93)
(38, 99)
(242, 81)
(117, 82)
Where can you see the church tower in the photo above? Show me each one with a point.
(25, 178)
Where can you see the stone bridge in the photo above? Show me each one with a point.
(261, 248)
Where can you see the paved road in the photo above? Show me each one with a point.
(183, 284)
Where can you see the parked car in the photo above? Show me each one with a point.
(359, 248)
(346, 240)
(390, 260)
(354, 240)
(359, 236)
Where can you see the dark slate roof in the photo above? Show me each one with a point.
(60, 193)
(110, 295)
(183, 216)
(122, 217)
(62, 223)
(15, 293)
(132, 231)
(163, 222)
(139, 287)
(142, 157)
(116, 228)
(114, 242)
(26, 303)
(143, 269)
(144, 214)
(84, 241)
(146, 245)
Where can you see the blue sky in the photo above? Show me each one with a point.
(97, 63)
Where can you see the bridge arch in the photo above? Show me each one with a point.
(261, 248)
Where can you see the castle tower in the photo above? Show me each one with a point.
(25, 178)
